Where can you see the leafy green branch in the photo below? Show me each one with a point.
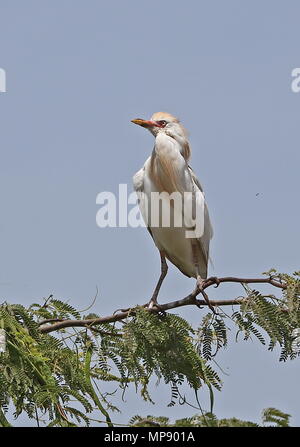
(271, 417)
(56, 379)
(191, 299)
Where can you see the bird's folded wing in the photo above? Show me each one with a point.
(138, 185)
(208, 229)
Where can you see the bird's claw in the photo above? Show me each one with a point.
(215, 280)
(200, 287)
(197, 302)
(121, 310)
(153, 305)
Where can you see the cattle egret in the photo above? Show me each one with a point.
(167, 171)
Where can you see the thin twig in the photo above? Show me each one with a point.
(186, 301)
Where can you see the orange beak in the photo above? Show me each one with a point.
(144, 123)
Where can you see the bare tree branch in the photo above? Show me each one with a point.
(190, 299)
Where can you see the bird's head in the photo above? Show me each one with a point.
(163, 122)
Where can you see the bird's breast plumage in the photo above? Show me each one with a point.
(167, 171)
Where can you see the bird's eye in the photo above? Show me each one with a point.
(162, 123)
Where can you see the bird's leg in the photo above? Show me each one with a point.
(164, 271)
(200, 282)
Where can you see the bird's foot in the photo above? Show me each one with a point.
(153, 304)
(200, 283)
(122, 310)
(214, 279)
(200, 287)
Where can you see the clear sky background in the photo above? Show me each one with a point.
(77, 73)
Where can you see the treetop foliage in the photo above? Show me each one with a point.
(65, 377)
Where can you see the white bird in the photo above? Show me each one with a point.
(167, 171)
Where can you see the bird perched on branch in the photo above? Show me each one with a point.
(167, 182)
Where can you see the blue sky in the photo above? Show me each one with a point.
(77, 73)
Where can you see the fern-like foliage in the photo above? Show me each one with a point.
(273, 318)
(271, 417)
(276, 417)
(211, 336)
(42, 375)
(163, 345)
(77, 372)
(38, 372)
